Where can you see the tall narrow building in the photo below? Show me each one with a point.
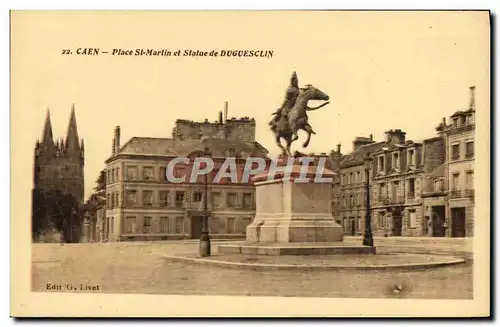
(59, 164)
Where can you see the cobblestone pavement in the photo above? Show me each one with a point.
(139, 268)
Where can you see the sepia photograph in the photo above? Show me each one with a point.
(250, 163)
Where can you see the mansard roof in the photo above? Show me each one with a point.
(357, 156)
(150, 146)
(462, 112)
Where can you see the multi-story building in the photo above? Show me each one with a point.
(333, 163)
(352, 194)
(396, 176)
(449, 189)
(398, 170)
(142, 204)
(460, 139)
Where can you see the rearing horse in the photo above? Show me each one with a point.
(287, 128)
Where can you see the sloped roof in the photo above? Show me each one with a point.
(462, 112)
(170, 147)
(438, 172)
(358, 155)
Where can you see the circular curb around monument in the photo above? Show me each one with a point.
(447, 261)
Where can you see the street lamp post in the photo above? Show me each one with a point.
(205, 246)
(368, 238)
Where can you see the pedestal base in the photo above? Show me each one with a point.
(281, 228)
(316, 248)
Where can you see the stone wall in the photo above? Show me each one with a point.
(434, 153)
(242, 129)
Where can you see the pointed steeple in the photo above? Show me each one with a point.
(72, 143)
(47, 130)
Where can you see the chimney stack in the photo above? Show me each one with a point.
(117, 139)
(396, 136)
(220, 117)
(225, 111)
(113, 146)
(472, 104)
(338, 147)
(371, 137)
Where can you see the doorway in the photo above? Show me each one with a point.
(352, 228)
(458, 222)
(195, 227)
(438, 220)
(397, 225)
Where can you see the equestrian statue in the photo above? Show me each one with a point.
(292, 115)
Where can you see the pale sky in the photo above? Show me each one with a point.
(381, 70)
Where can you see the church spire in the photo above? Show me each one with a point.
(72, 142)
(47, 130)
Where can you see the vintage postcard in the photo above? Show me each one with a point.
(250, 163)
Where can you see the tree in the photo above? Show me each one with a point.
(98, 198)
(39, 219)
(101, 181)
(55, 209)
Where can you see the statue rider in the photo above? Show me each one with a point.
(292, 93)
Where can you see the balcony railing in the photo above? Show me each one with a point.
(391, 200)
(466, 193)
(469, 193)
(469, 155)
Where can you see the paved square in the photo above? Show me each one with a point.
(140, 268)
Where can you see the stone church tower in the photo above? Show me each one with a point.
(59, 164)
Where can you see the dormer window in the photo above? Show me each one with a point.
(395, 157)
(469, 119)
(381, 164)
(455, 122)
(462, 121)
(411, 155)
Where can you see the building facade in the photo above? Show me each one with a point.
(399, 169)
(143, 205)
(416, 188)
(396, 184)
(352, 193)
(460, 134)
(449, 190)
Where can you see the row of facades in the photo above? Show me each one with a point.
(417, 188)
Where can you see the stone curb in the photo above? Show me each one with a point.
(259, 266)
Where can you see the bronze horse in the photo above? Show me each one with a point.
(288, 127)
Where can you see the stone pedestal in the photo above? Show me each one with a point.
(291, 209)
(294, 216)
